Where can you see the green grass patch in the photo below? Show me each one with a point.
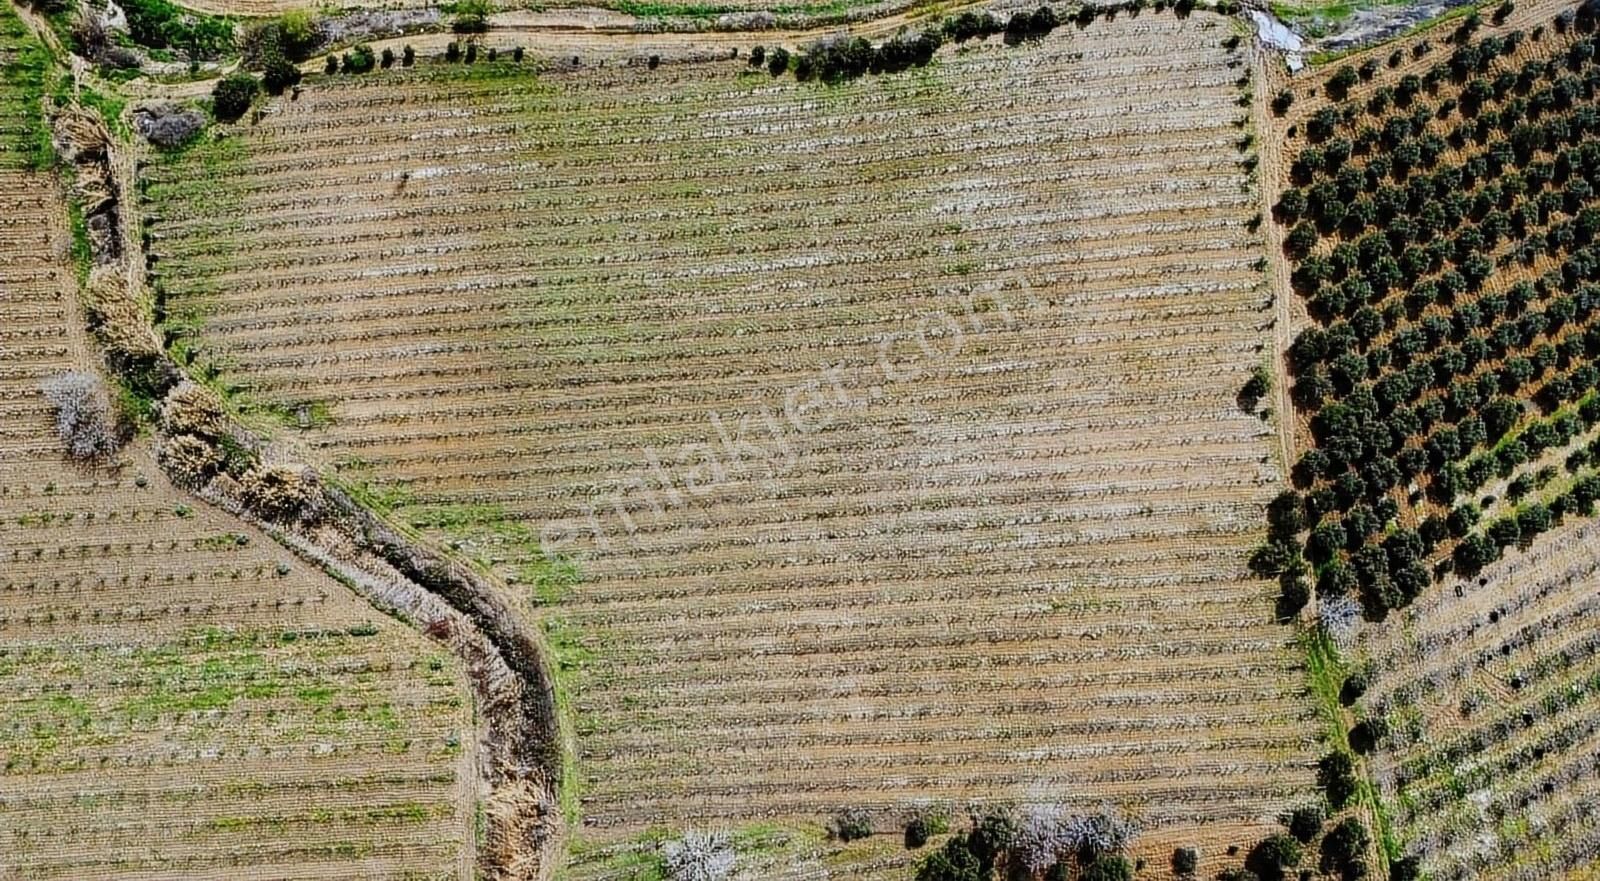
(1326, 670)
(1319, 59)
(25, 66)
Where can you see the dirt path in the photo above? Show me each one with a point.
(1267, 70)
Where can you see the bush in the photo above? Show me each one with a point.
(969, 25)
(991, 836)
(160, 24)
(778, 61)
(1341, 82)
(232, 96)
(302, 33)
(1255, 388)
(953, 862)
(852, 824)
(1405, 869)
(360, 59)
(1305, 823)
(472, 17)
(1294, 594)
(330, 65)
(279, 75)
(917, 832)
(386, 60)
(1354, 686)
(84, 418)
(408, 56)
(1345, 847)
(1273, 857)
(1185, 860)
(758, 56)
(1336, 774)
(1111, 867)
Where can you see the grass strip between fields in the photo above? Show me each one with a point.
(1326, 671)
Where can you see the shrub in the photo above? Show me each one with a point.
(1354, 686)
(160, 24)
(386, 60)
(699, 856)
(1305, 823)
(1405, 869)
(1282, 101)
(330, 65)
(992, 835)
(1338, 616)
(1345, 847)
(1365, 734)
(758, 56)
(1341, 82)
(1336, 774)
(360, 59)
(408, 56)
(190, 460)
(1272, 558)
(778, 61)
(452, 52)
(472, 16)
(953, 862)
(1111, 867)
(279, 75)
(191, 408)
(917, 832)
(302, 33)
(1185, 860)
(84, 418)
(1273, 857)
(1255, 388)
(969, 25)
(852, 824)
(232, 96)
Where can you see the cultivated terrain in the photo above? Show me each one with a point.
(650, 442)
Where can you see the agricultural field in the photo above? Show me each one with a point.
(1437, 204)
(872, 445)
(179, 697)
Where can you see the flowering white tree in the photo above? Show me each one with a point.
(1105, 831)
(1048, 835)
(1044, 837)
(1339, 617)
(83, 413)
(699, 856)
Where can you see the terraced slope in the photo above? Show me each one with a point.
(179, 696)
